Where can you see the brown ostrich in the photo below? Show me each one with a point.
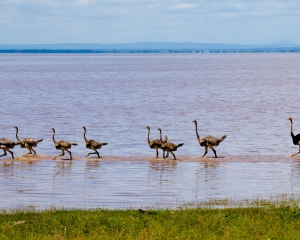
(62, 145)
(208, 141)
(156, 143)
(6, 144)
(92, 144)
(169, 146)
(28, 143)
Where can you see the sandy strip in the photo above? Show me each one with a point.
(147, 158)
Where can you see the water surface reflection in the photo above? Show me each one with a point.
(142, 183)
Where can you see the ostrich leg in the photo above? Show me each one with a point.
(4, 154)
(34, 152)
(96, 152)
(173, 155)
(12, 154)
(205, 151)
(69, 153)
(63, 153)
(29, 149)
(295, 152)
(211, 147)
(167, 155)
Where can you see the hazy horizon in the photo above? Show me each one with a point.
(284, 42)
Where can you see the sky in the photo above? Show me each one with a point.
(129, 21)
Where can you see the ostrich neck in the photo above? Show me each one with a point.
(291, 127)
(197, 135)
(160, 136)
(84, 135)
(17, 130)
(149, 136)
(53, 137)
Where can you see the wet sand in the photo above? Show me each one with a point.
(254, 158)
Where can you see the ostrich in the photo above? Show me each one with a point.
(92, 144)
(5, 144)
(296, 139)
(208, 141)
(28, 143)
(156, 143)
(168, 146)
(62, 145)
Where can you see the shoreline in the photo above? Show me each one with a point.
(243, 158)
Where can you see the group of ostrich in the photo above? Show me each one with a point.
(62, 145)
(169, 147)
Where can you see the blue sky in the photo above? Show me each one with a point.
(128, 21)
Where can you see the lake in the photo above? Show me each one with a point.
(246, 96)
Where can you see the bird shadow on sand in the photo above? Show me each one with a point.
(64, 159)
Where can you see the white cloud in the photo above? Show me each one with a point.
(184, 6)
(82, 2)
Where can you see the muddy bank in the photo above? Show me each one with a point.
(247, 158)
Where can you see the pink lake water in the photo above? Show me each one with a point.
(246, 96)
(143, 182)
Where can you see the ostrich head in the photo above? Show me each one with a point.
(148, 127)
(15, 127)
(290, 119)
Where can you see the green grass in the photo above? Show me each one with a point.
(268, 222)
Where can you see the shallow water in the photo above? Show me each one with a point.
(143, 183)
(246, 96)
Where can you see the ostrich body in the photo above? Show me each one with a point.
(92, 144)
(6, 144)
(296, 139)
(62, 145)
(156, 143)
(208, 141)
(28, 143)
(169, 146)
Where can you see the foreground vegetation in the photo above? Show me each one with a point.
(269, 222)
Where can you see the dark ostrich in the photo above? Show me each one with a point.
(296, 139)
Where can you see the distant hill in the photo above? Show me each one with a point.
(285, 42)
(145, 46)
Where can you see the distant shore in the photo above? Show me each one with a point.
(114, 51)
